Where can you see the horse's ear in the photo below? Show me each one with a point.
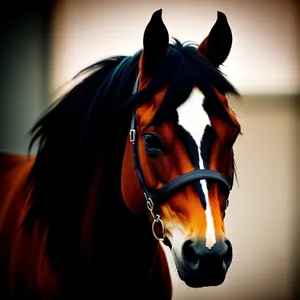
(216, 46)
(155, 41)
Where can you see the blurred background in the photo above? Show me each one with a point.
(44, 45)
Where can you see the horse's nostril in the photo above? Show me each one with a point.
(228, 254)
(189, 253)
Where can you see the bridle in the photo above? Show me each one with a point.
(156, 196)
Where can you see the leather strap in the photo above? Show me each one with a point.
(187, 178)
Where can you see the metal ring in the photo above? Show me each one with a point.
(163, 229)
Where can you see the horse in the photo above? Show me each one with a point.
(116, 177)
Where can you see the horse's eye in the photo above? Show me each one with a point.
(152, 144)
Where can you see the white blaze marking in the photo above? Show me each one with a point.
(194, 119)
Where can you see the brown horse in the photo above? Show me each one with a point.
(116, 174)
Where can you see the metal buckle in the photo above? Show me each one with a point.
(149, 203)
(132, 135)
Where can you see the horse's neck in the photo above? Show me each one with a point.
(119, 237)
(123, 250)
(126, 237)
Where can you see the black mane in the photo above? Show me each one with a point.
(88, 127)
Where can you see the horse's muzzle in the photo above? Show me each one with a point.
(201, 266)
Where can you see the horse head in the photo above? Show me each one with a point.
(181, 181)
